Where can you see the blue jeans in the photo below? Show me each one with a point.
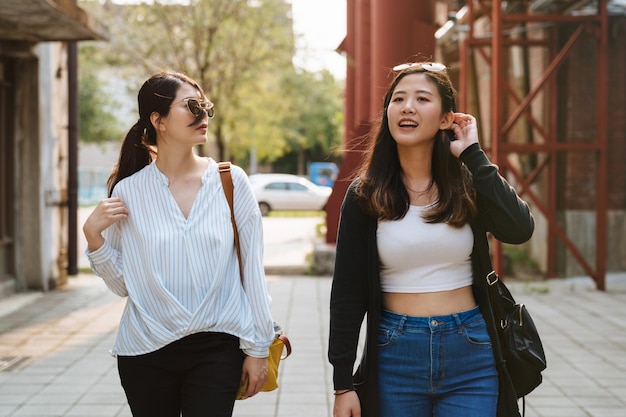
(436, 366)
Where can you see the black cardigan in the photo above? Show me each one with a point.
(356, 281)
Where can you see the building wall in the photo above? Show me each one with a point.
(34, 100)
(40, 139)
(53, 93)
(28, 222)
(578, 170)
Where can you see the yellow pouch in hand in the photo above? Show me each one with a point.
(281, 344)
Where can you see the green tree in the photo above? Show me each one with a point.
(228, 46)
(98, 122)
(241, 52)
(317, 123)
(302, 119)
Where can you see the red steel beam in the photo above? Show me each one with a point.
(551, 197)
(553, 225)
(497, 108)
(602, 164)
(550, 18)
(556, 62)
(501, 90)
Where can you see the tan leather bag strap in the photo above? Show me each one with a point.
(227, 185)
(229, 191)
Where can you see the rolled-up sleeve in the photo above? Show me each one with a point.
(106, 262)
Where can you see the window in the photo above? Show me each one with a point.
(298, 188)
(279, 186)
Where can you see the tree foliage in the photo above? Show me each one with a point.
(241, 52)
(97, 120)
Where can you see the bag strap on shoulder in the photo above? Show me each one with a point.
(227, 185)
(229, 191)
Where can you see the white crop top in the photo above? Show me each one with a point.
(423, 257)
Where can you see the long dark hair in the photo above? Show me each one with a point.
(139, 146)
(381, 187)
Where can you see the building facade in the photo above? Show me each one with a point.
(545, 79)
(38, 140)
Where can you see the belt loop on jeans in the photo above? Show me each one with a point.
(457, 319)
(403, 319)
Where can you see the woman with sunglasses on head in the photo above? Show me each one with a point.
(412, 254)
(190, 332)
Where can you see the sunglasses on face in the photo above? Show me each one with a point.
(424, 66)
(196, 106)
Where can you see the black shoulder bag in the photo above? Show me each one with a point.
(519, 340)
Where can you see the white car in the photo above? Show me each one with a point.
(287, 192)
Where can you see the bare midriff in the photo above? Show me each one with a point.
(428, 304)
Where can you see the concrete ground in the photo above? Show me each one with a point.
(54, 359)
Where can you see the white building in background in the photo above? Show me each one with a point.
(95, 164)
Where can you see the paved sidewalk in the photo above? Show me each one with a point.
(55, 362)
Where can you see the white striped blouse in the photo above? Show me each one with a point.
(181, 275)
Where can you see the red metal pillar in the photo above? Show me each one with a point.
(497, 104)
(380, 34)
(357, 47)
(402, 31)
(552, 169)
(602, 164)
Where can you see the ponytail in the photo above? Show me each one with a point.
(134, 155)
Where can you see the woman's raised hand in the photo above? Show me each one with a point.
(466, 131)
(107, 212)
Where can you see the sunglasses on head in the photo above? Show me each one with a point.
(196, 106)
(425, 66)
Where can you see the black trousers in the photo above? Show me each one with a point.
(196, 376)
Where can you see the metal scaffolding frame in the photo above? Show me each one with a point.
(503, 94)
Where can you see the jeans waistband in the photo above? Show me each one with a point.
(434, 322)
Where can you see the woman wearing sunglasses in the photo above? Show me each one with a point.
(190, 332)
(411, 250)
